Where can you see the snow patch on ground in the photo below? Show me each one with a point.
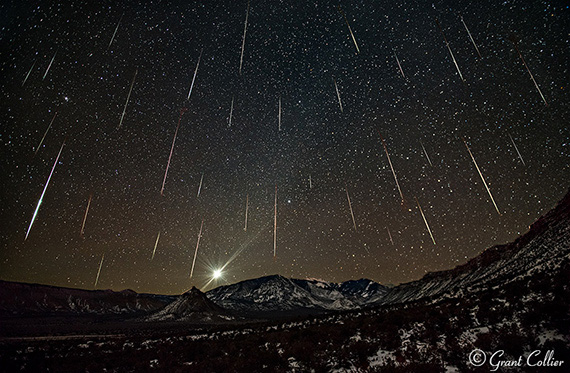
(550, 335)
(382, 357)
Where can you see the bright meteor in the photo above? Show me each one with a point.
(529, 73)
(482, 178)
(471, 37)
(196, 252)
(275, 227)
(85, 216)
(200, 187)
(349, 29)
(426, 154)
(279, 118)
(182, 111)
(231, 112)
(338, 95)
(243, 41)
(29, 72)
(155, 245)
(392, 167)
(246, 210)
(99, 271)
(425, 221)
(517, 149)
(128, 98)
(44, 191)
(449, 49)
(115, 33)
(390, 235)
(49, 66)
(399, 65)
(195, 73)
(45, 134)
(350, 206)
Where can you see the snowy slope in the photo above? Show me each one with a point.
(543, 248)
(277, 293)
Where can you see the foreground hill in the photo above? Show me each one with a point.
(191, 306)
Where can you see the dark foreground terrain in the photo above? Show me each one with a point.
(420, 336)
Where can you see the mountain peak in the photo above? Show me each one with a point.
(193, 305)
(193, 292)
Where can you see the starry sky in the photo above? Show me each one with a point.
(294, 52)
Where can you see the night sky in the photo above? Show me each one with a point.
(294, 51)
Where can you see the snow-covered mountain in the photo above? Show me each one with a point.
(190, 306)
(277, 293)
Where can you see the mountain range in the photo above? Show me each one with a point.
(543, 248)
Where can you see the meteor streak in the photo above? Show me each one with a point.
(275, 227)
(425, 221)
(482, 178)
(390, 235)
(243, 41)
(231, 112)
(196, 252)
(517, 149)
(449, 48)
(115, 33)
(310, 182)
(29, 72)
(246, 210)
(182, 111)
(200, 187)
(349, 29)
(400, 66)
(529, 73)
(350, 206)
(337, 95)
(45, 134)
(99, 271)
(85, 216)
(155, 245)
(426, 154)
(391, 167)
(49, 66)
(128, 98)
(44, 191)
(195, 72)
(279, 113)
(470, 37)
